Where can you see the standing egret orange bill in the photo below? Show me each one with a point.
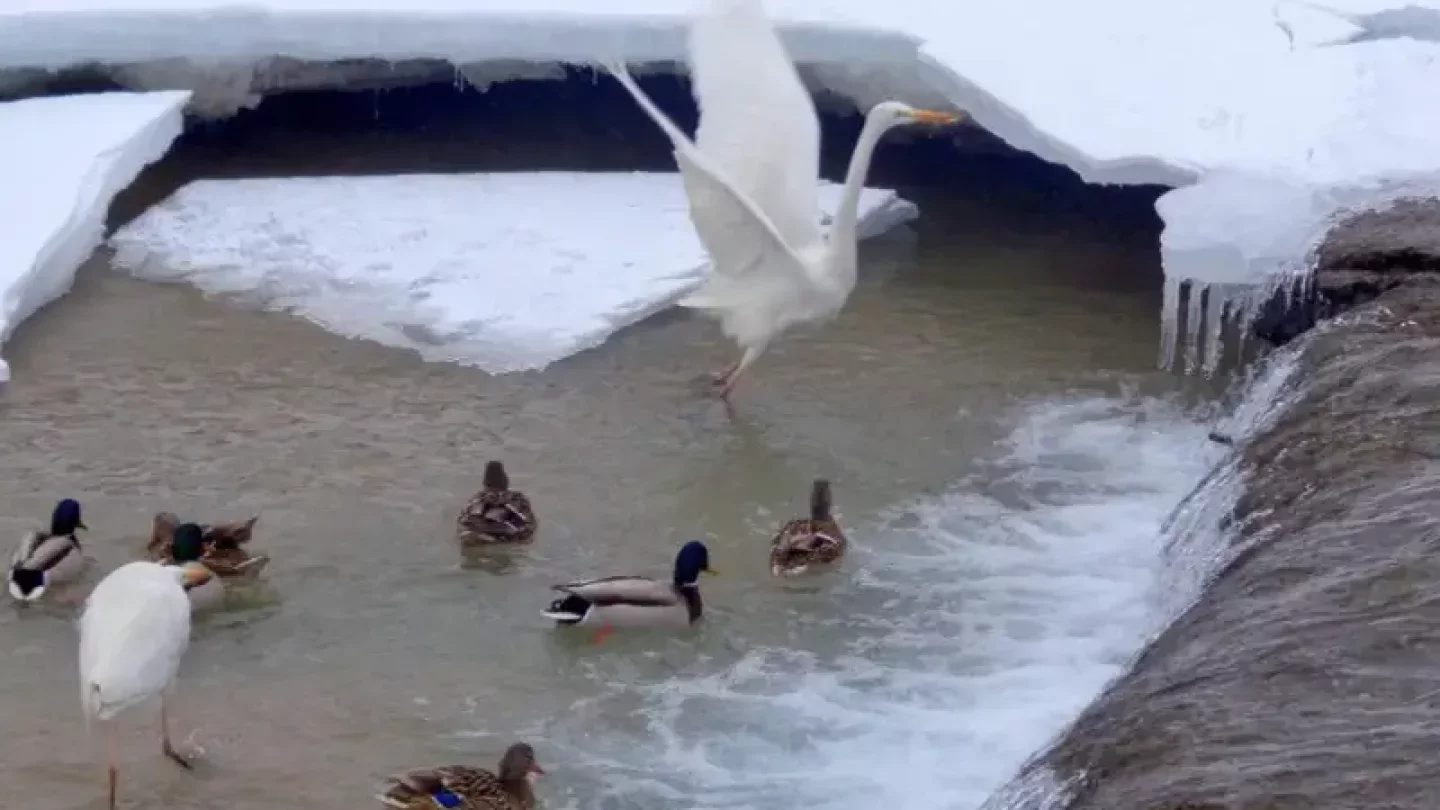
(752, 175)
(133, 633)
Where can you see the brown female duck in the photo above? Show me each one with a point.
(816, 541)
(223, 545)
(497, 514)
(458, 787)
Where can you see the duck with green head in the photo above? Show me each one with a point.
(44, 559)
(635, 601)
(202, 587)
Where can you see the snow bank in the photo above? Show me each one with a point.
(1128, 91)
(506, 272)
(63, 160)
(1226, 96)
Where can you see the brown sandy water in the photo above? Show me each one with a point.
(373, 645)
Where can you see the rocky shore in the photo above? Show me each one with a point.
(1307, 674)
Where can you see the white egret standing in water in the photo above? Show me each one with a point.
(135, 628)
(752, 178)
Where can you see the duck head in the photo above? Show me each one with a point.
(820, 502)
(692, 561)
(188, 544)
(66, 518)
(519, 765)
(162, 528)
(495, 476)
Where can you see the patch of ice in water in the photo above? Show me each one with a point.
(506, 272)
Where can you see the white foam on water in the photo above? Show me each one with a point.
(1198, 537)
(975, 625)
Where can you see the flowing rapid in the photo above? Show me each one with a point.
(974, 625)
(1004, 453)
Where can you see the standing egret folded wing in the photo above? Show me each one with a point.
(133, 633)
(752, 176)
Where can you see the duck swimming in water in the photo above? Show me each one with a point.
(801, 545)
(223, 543)
(459, 787)
(635, 601)
(202, 587)
(44, 559)
(225, 552)
(497, 514)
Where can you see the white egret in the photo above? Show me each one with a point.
(752, 178)
(135, 628)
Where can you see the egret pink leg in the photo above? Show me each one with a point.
(722, 376)
(114, 772)
(165, 744)
(750, 356)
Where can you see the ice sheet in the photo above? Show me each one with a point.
(1300, 97)
(1152, 91)
(505, 272)
(62, 161)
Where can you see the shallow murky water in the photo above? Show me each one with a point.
(1002, 453)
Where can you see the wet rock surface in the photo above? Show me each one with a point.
(1307, 674)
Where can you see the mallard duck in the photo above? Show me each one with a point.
(464, 788)
(223, 545)
(48, 558)
(818, 540)
(633, 601)
(497, 513)
(202, 587)
(224, 549)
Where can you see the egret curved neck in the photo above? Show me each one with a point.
(842, 229)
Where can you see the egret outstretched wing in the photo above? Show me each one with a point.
(739, 237)
(757, 122)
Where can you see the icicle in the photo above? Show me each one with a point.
(1194, 318)
(1218, 300)
(1243, 313)
(1169, 322)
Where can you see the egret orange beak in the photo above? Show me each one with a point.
(933, 117)
(195, 575)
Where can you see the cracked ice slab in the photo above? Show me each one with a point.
(504, 272)
(1288, 100)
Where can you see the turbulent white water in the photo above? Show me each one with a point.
(971, 627)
